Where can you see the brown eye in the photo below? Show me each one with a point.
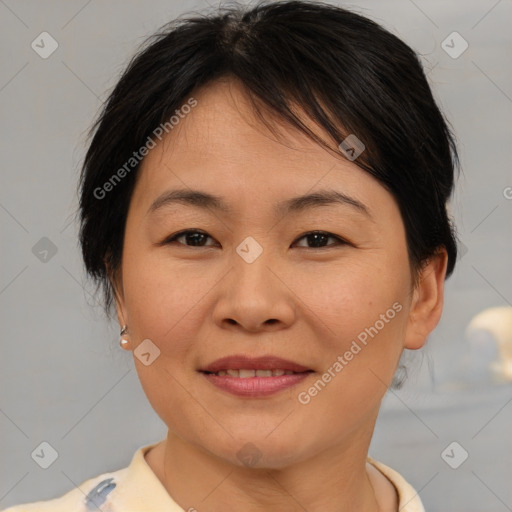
(191, 237)
(318, 239)
(196, 238)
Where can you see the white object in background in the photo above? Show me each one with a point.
(498, 322)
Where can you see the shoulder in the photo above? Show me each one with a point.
(89, 495)
(408, 498)
(134, 487)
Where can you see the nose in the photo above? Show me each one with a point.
(255, 296)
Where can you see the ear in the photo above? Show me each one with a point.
(116, 282)
(427, 301)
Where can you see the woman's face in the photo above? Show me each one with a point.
(253, 283)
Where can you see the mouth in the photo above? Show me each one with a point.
(243, 365)
(248, 373)
(254, 377)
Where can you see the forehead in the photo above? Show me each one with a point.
(223, 146)
(225, 128)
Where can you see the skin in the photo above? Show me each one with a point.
(298, 301)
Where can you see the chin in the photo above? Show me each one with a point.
(259, 451)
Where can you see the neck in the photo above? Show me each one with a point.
(332, 481)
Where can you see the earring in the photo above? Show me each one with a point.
(123, 342)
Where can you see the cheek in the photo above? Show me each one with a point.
(164, 300)
(164, 304)
(359, 363)
(361, 311)
(353, 296)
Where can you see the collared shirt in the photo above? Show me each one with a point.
(136, 488)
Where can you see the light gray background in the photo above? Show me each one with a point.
(63, 378)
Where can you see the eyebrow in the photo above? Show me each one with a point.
(297, 204)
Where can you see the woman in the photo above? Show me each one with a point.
(264, 202)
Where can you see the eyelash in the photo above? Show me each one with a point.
(174, 237)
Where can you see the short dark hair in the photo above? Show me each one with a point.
(346, 72)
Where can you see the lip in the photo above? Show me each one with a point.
(241, 361)
(253, 387)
